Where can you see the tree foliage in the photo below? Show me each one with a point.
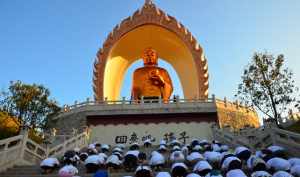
(9, 126)
(268, 86)
(29, 104)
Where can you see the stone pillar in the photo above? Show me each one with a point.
(177, 100)
(160, 101)
(142, 100)
(123, 100)
(213, 96)
(24, 132)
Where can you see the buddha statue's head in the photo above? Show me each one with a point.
(150, 57)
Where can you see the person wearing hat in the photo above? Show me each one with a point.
(163, 174)
(212, 156)
(142, 158)
(193, 175)
(48, 165)
(243, 153)
(195, 142)
(68, 171)
(70, 157)
(224, 148)
(114, 161)
(261, 174)
(282, 174)
(157, 160)
(197, 148)
(277, 151)
(295, 170)
(147, 143)
(193, 158)
(216, 147)
(105, 148)
(179, 170)
(131, 159)
(278, 164)
(83, 156)
(177, 156)
(93, 163)
(265, 154)
(163, 142)
(202, 168)
(256, 164)
(143, 171)
(236, 173)
(162, 149)
(294, 161)
(231, 163)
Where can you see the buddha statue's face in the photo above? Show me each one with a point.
(150, 57)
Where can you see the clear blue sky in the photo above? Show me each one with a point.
(54, 42)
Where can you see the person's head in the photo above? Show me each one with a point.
(83, 156)
(234, 164)
(150, 57)
(282, 174)
(163, 174)
(259, 165)
(143, 171)
(179, 170)
(134, 146)
(142, 156)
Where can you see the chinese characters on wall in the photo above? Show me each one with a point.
(135, 138)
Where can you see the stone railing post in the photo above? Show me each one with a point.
(4, 158)
(213, 96)
(123, 100)
(177, 100)
(160, 101)
(24, 132)
(142, 100)
(64, 143)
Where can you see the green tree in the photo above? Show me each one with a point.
(268, 86)
(30, 104)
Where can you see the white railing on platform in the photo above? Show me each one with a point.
(142, 102)
(10, 151)
(20, 150)
(260, 138)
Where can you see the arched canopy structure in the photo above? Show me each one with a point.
(150, 27)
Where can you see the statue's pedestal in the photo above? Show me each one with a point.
(125, 122)
(110, 121)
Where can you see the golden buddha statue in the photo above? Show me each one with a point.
(151, 81)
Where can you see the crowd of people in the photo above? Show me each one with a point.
(200, 158)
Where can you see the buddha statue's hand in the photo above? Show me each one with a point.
(157, 80)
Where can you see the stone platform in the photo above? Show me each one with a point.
(123, 120)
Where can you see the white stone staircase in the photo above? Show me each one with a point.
(20, 150)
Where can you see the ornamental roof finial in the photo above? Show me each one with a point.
(148, 1)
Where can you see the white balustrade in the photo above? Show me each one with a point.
(20, 150)
(260, 138)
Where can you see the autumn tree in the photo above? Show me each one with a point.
(269, 86)
(9, 126)
(29, 104)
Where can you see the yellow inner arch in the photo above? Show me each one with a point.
(130, 48)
